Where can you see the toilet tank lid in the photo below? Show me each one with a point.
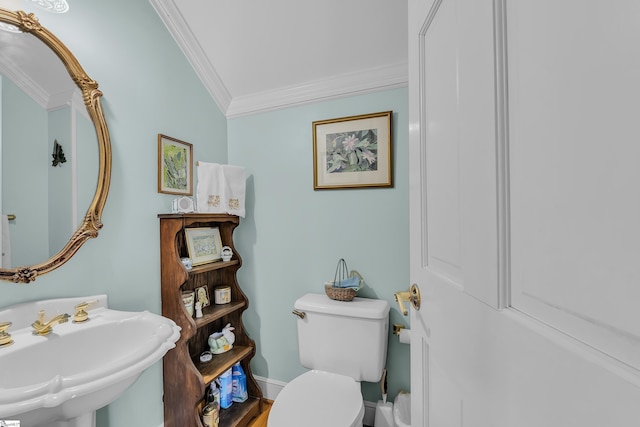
(366, 308)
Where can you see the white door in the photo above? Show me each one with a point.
(525, 212)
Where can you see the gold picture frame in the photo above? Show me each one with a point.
(353, 152)
(203, 244)
(175, 166)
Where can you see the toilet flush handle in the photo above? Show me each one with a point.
(300, 314)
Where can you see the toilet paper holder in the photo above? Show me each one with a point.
(403, 334)
(397, 327)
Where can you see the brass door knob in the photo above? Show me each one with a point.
(412, 296)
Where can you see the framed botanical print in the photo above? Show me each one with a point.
(175, 166)
(353, 152)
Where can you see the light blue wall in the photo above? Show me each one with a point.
(293, 236)
(149, 88)
(26, 155)
(27, 139)
(60, 195)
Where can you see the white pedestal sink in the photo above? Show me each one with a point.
(61, 379)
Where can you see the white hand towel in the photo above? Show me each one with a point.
(209, 193)
(221, 189)
(235, 186)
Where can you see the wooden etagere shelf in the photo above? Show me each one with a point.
(185, 377)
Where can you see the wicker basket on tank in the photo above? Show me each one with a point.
(333, 289)
(339, 294)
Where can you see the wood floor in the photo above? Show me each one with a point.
(261, 421)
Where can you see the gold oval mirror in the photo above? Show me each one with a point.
(27, 25)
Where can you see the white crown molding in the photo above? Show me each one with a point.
(175, 23)
(339, 86)
(61, 99)
(24, 82)
(349, 84)
(48, 101)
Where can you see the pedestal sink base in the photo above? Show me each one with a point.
(86, 420)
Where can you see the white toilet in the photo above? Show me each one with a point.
(342, 343)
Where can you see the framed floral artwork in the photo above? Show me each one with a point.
(353, 152)
(175, 167)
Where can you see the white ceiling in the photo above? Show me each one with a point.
(262, 55)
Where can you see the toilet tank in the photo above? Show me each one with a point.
(347, 338)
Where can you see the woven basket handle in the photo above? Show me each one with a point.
(342, 272)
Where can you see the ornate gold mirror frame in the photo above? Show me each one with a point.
(28, 23)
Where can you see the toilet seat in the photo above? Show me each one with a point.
(318, 399)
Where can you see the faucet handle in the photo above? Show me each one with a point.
(5, 338)
(81, 314)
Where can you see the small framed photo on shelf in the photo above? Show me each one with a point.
(175, 169)
(353, 152)
(203, 244)
(202, 296)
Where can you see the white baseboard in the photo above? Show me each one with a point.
(271, 388)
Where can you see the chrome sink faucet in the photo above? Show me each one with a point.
(42, 328)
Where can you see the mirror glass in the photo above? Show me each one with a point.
(55, 151)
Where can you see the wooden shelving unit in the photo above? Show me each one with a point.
(185, 377)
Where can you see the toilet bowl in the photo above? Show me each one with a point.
(318, 399)
(341, 343)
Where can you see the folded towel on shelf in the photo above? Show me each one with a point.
(235, 186)
(209, 189)
(221, 189)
